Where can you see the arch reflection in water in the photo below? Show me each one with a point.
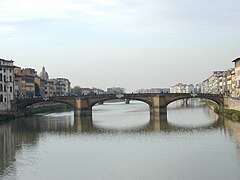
(27, 132)
(181, 114)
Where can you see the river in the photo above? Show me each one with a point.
(121, 141)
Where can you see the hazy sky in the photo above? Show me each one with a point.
(128, 43)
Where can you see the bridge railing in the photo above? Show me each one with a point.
(117, 95)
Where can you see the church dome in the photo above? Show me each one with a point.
(43, 74)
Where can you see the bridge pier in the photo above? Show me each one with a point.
(83, 112)
(83, 124)
(158, 122)
(185, 102)
(156, 111)
(83, 105)
(127, 101)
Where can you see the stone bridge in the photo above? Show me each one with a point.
(82, 106)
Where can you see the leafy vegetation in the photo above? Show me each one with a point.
(48, 109)
(5, 117)
(213, 106)
(230, 113)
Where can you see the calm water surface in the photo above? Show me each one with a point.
(122, 142)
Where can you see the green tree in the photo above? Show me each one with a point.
(77, 90)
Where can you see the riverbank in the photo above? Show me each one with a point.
(47, 109)
(51, 108)
(229, 113)
(6, 117)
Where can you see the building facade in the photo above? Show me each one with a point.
(6, 84)
(62, 86)
(115, 90)
(182, 88)
(50, 88)
(237, 76)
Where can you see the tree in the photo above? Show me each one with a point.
(76, 90)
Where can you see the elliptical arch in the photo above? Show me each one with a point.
(33, 101)
(218, 101)
(93, 103)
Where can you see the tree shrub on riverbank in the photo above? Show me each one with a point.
(213, 106)
(48, 109)
(5, 117)
(229, 113)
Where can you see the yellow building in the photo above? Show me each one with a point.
(28, 83)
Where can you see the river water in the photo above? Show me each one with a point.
(122, 142)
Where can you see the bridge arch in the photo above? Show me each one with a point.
(83, 105)
(24, 103)
(149, 103)
(214, 99)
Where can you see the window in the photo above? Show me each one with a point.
(1, 87)
(5, 88)
(0, 76)
(10, 78)
(1, 98)
(4, 78)
(10, 89)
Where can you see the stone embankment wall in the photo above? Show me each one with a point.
(233, 103)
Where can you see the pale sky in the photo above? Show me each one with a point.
(128, 43)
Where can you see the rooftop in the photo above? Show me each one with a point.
(6, 60)
(236, 59)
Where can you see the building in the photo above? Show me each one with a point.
(204, 86)
(28, 83)
(24, 82)
(6, 84)
(214, 83)
(86, 91)
(189, 88)
(115, 90)
(181, 88)
(40, 85)
(237, 76)
(230, 81)
(197, 88)
(62, 86)
(43, 74)
(227, 82)
(50, 88)
(97, 91)
(154, 90)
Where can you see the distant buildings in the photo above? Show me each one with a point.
(224, 82)
(25, 82)
(43, 74)
(17, 82)
(6, 84)
(154, 90)
(29, 84)
(115, 90)
(237, 75)
(62, 86)
(182, 88)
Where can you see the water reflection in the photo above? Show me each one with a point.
(13, 137)
(233, 128)
(16, 134)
